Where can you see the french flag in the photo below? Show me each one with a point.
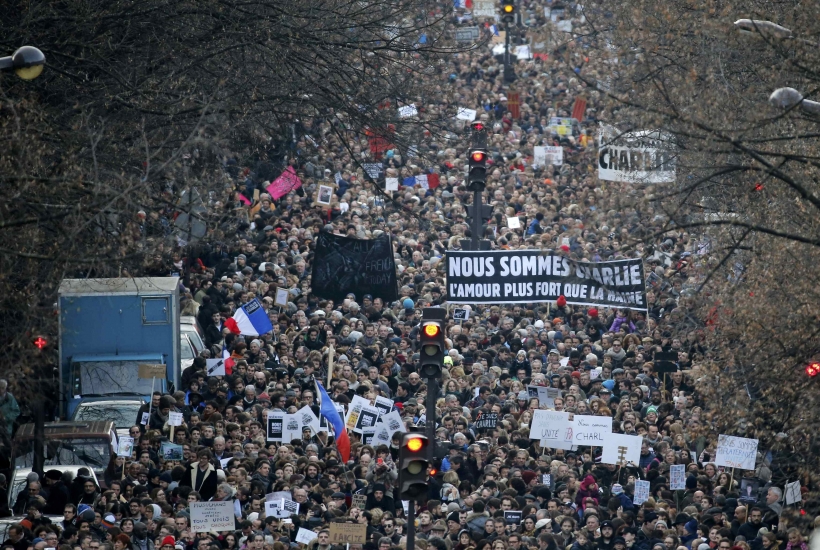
(250, 320)
(494, 29)
(327, 410)
(228, 360)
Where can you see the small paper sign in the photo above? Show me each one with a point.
(677, 477)
(216, 367)
(408, 111)
(466, 114)
(151, 371)
(281, 299)
(793, 494)
(145, 418)
(360, 501)
(125, 446)
(512, 517)
(391, 184)
(514, 222)
(641, 492)
(175, 419)
(461, 314)
(305, 536)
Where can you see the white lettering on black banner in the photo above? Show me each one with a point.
(526, 276)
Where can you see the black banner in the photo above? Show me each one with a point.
(487, 421)
(343, 265)
(527, 276)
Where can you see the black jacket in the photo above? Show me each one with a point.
(206, 487)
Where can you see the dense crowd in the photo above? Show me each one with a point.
(601, 360)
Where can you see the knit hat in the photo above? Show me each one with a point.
(561, 301)
(109, 521)
(592, 312)
(168, 541)
(609, 384)
(528, 476)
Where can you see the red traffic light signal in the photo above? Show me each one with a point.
(813, 369)
(479, 156)
(40, 342)
(414, 444)
(478, 126)
(432, 330)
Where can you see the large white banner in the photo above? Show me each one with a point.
(552, 428)
(638, 157)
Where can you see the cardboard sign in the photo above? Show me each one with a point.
(487, 421)
(125, 446)
(621, 450)
(641, 492)
(548, 155)
(461, 314)
(305, 536)
(151, 371)
(212, 516)
(175, 419)
(512, 517)
(360, 501)
(354, 409)
(591, 430)
(348, 533)
(466, 114)
(677, 477)
(736, 452)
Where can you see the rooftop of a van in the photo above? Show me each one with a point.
(121, 285)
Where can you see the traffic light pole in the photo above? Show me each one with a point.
(430, 424)
(477, 220)
(411, 523)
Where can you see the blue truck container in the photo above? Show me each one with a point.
(108, 327)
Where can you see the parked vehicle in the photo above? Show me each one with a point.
(108, 328)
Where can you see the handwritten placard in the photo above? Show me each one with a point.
(212, 516)
(736, 452)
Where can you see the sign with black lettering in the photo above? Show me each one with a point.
(343, 265)
(348, 533)
(461, 314)
(486, 421)
(527, 276)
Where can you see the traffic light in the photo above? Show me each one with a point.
(478, 138)
(813, 369)
(477, 176)
(508, 11)
(40, 343)
(413, 466)
(431, 338)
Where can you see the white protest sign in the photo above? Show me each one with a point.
(514, 222)
(736, 452)
(354, 409)
(174, 419)
(125, 446)
(212, 516)
(466, 114)
(289, 508)
(384, 404)
(641, 492)
(272, 508)
(408, 111)
(308, 418)
(591, 430)
(145, 418)
(620, 449)
(523, 52)
(393, 422)
(216, 367)
(391, 184)
(421, 181)
(793, 494)
(677, 477)
(546, 396)
(305, 536)
(553, 428)
(292, 428)
(484, 8)
(223, 462)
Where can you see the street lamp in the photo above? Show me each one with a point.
(27, 62)
(787, 98)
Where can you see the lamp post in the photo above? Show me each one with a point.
(765, 28)
(27, 62)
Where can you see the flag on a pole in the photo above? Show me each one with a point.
(250, 320)
(327, 410)
(228, 360)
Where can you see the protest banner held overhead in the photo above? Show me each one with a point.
(526, 276)
(638, 157)
(736, 452)
(343, 265)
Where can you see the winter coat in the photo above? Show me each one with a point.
(475, 524)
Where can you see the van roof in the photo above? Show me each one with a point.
(120, 285)
(68, 430)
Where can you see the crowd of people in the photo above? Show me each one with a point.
(601, 359)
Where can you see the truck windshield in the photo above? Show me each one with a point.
(123, 413)
(110, 378)
(93, 452)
